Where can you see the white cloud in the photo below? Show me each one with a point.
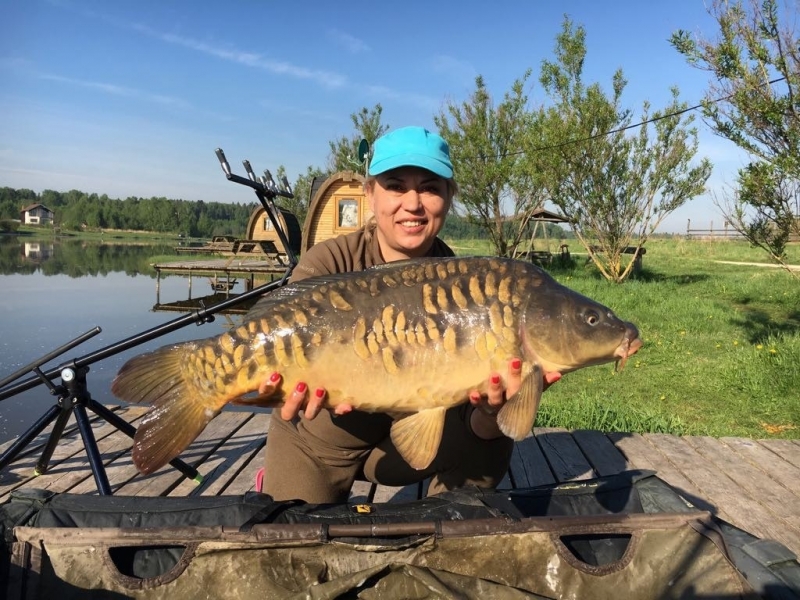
(118, 90)
(249, 59)
(348, 42)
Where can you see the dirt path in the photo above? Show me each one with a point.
(753, 264)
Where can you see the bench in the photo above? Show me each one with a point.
(637, 255)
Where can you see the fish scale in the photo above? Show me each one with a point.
(411, 338)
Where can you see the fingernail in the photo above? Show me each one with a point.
(495, 379)
(516, 364)
(320, 393)
(301, 388)
(275, 377)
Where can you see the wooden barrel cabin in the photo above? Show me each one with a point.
(260, 229)
(338, 205)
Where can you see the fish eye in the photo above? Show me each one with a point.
(592, 318)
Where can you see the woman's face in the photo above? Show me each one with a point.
(410, 205)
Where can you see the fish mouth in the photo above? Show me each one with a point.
(626, 349)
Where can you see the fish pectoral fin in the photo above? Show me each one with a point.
(516, 417)
(417, 437)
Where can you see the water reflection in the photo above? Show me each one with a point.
(49, 300)
(76, 258)
(38, 250)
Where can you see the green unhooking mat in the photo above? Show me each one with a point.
(626, 536)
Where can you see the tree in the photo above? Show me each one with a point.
(615, 189)
(302, 192)
(485, 142)
(344, 151)
(754, 102)
(343, 156)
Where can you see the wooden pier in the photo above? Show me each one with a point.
(753, 484)
(222, 274)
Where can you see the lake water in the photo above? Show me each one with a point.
(50, 293)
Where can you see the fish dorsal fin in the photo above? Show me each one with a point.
(516, 417)
(417, 437)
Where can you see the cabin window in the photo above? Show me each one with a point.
(347, 213)
(267, 223)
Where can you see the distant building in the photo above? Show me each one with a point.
(36, 214)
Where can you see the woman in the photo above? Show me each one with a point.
(316, 457)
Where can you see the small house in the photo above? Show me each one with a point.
(36, 214)
(260, 228)
(338, 205)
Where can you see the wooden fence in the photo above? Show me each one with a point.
(726, 232)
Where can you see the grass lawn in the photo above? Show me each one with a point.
(721, 352)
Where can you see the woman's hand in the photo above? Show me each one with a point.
(300, 399)
(484, 421)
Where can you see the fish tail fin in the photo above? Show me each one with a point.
(181, 409)
(167, 430)
(516, 417)
(417, 437)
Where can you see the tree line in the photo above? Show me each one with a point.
(75, 211)
(78, 211)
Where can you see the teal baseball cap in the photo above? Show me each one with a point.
(411, 147)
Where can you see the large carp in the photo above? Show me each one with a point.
(411, 338)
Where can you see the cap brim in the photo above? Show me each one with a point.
(412, 160)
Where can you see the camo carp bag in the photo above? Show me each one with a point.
(626, 536)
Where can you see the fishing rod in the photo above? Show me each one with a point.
(72, 393)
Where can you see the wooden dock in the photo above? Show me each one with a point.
(753, 484)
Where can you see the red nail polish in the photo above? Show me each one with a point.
(495, 379)
(319, 393)
(516, 364)
(275, 377)
(301, 388)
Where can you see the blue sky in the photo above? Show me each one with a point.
(130, 98)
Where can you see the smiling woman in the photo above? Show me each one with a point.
(409, 188)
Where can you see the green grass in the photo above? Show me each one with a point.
(721, 352)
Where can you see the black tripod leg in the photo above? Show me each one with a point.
(52, 441)
(130, 431)
(90, 443)
(27, 437)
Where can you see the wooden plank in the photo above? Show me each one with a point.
(166, 478)
(564, 456)
(37, 443)
(389, 493)
(69, 464)
(505, 482)
(245, 479)
(749, 478)
(641, 454)
(788, 450)
(529, 467)
(721, 491)
(230, 458)
(604, 456)
(774, 465)
(362, 492)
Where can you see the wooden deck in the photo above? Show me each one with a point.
(753, 484)
(235, 265)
